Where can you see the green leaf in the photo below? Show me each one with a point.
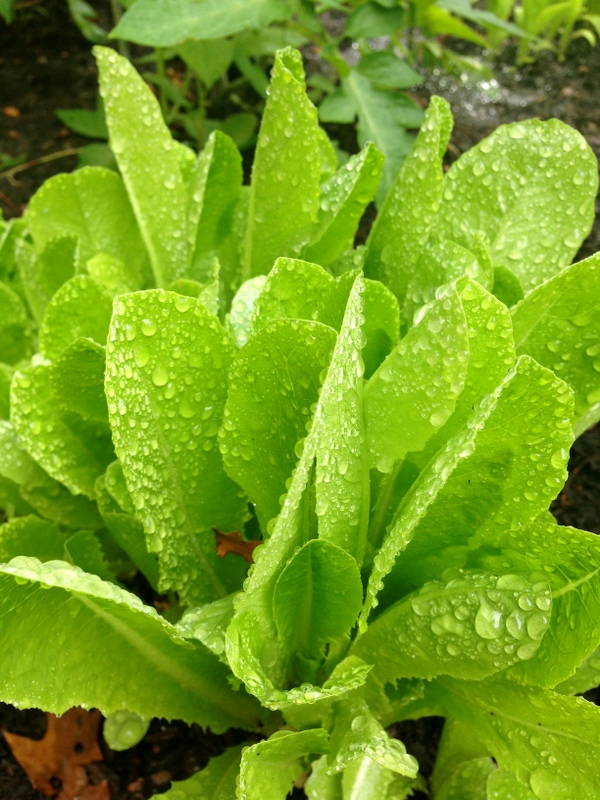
(209, 59)
(555, 748)
(365, 778)
(502, 783)
(85, 122)
(404, 403)
(358, 734)
(273, 383)
(112, 274)
(214, 191)
(343, 200)
(295, 289)
(60, 208)
(532, 165)
(321, 785)
(77, 379)
(15, 329)
(149, 162)
(208, 624)
(317, 598)
(371, 20)
(468, 625)
(84, 550)
(381, 326)
(585, 677)
(44, 273)
(269, 768)
(31, 536)
(216, 781)
(6, 373)
(162, 23)
(127, 532)
(470, 781)
(79, 309)
(286, 174)
(239, 319)
(83, 15)
(558, 324)
(6, 10)
(386, 71)
(383, 118)
(573, 561)
(129, 657)
(526, 420)
(401, 229)
(253, 634)
(166, 406)
(72, 452)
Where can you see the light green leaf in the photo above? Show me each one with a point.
(357, 734)
(71, 451)
(286, 174)
(31, 536)
(59, 209)
(252, 634)
(468, 625)
(585, 677)
(273, 383)
(469, 781)
(127, 532)
(372, 20)
(571, 559)
(77, 378)
(214, 191)
(402, 226)
(129, 657)
(381, 326)
(405, 404)
(83, 549)
(208, 623)
(149, 163)
(269, 768)
(321, 785)
(317, 598)
(555, 749)
(80, 308)
(365, 778)
(502, 784)
(239, 319)
(526, 420)
(113, 274)
(343, 201)
(6, 373)
(296, 289)
(558, 324)
(386, 71)
(15, 328)
(179, 487)
(383, 118)
(209, 59)
(216, 781)
(532, 165)
(162, 23)
(44, 273)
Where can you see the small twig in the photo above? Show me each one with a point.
(16, 210)
(35, 162)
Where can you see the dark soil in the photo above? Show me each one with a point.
(45, 64)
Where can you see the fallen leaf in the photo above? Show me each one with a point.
(55, 763)
(11, 111)
(233, 543)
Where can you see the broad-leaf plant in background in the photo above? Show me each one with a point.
(184, 354)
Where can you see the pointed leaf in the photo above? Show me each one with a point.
(149, 163)
(401, 229)
(286, 171)
(558, 324)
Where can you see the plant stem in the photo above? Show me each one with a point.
(9, 173)
(115, 8)
(160, 71)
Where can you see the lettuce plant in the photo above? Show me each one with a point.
(184, 354)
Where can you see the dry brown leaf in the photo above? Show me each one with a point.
(55, 763)
(11, 111)
(233, 543)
